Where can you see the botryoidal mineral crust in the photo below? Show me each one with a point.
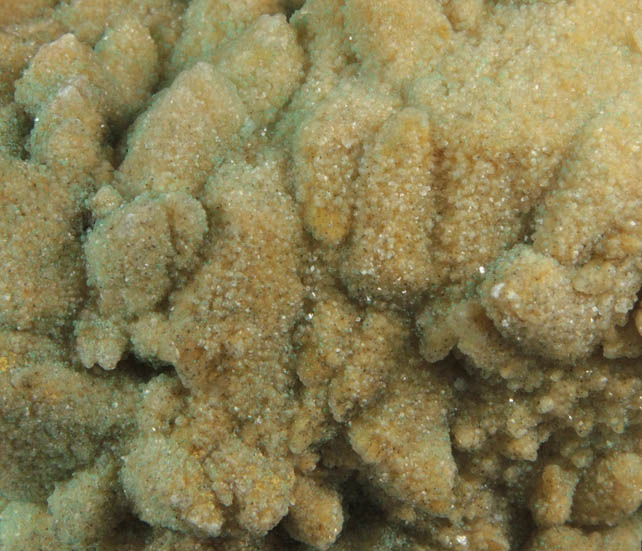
(348, 275)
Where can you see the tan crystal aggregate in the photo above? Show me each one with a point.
(340, 275)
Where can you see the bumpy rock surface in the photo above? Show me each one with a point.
(320, 274)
